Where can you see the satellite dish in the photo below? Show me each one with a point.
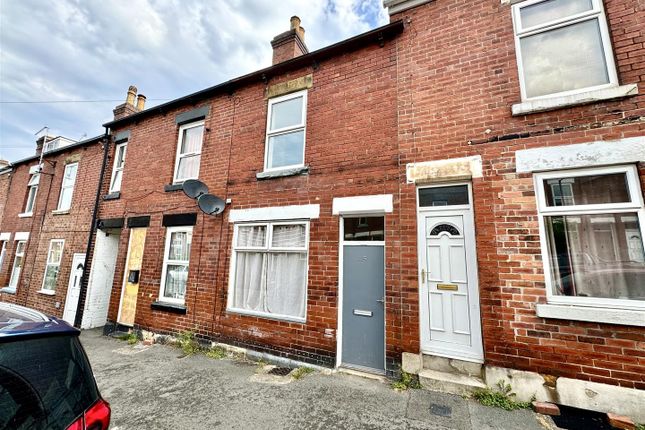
(194, 188)
(210, 204)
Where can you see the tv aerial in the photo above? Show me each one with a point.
(208, 203)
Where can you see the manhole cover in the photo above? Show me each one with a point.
(280, 371)
(440, 410)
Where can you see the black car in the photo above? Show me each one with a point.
(46, 381)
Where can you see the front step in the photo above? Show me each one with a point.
(453, 383)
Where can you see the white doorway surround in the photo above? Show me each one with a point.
(449, 292)
(74, 288)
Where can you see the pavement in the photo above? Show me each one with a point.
(156, 387)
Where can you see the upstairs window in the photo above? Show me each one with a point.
(52, 267)
(562, 47)
(285, 140)
(174, 274)
(117, 169)
(32, 191)
(189, 151)
(67, 187)
(592, 223)
(17, 264)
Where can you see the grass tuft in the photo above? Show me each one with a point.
(300, 372)
(406, 381)
(188, 343)
(502, 397)
(216, 353)
(131, 338)
(640, 426)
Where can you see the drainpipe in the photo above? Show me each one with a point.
(81, 296)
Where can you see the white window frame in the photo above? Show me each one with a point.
(179, 155)
(167, 261)
(115, 168)
(636, 205)
(3, 252)
(30, 204)
(63, 187)
(13, 282)
(597, 12)
(284, 130)
(267, 248)
(49, 263)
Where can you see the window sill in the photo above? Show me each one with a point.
(172, 187)
(60, 212)
(587, 97)
(8, 290)
(47, 292)
(168, 307)
(25, 215)
(266, 316)
(112, 196)
(302, 170)
(592, 314)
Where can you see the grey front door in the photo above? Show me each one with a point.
(363, 335)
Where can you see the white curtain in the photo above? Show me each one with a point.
(285, 293)
(271, 282)
(250, 278)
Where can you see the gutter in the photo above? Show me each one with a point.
(378, 35)
(84, 277)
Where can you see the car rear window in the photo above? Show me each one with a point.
(45, 383)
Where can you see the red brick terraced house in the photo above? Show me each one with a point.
(459, 193)
(48, 203)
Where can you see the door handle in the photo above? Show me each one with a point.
(423, 276)
(382, 300)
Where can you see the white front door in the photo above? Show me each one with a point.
(74, 288)
(449, 293)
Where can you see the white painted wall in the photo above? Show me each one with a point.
(100, 281)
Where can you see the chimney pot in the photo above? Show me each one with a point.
(295, 22)
(132, 92)
(141, 102)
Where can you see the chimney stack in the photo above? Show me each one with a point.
(290, 44)
(141, 102)
(128, 108)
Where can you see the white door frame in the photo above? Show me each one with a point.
(341, 245)
(125, 276)
(470, 246)
(77, 256)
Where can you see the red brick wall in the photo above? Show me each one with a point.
(351, 148)
(73, 227)
(12, 223)
(457, 78)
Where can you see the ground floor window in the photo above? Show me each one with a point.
(17, 264)
(52, 267)
(269, 269)
(175, 266)
(592, 222)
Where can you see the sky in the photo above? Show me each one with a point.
(80, 56)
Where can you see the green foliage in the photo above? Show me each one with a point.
(300, 372)
(406, 381)
(188, 343)
(640, 426)
(502, 397)
(131, 338)
(216, 353)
